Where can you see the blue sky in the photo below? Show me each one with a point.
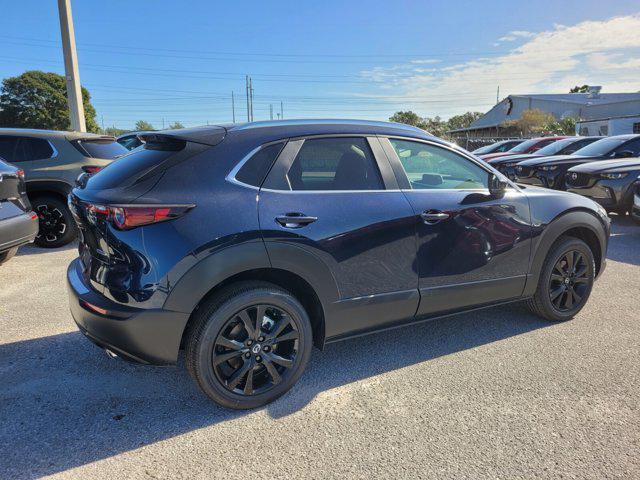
(168, 60)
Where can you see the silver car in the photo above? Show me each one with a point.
(52, 161)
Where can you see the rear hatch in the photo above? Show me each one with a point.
(111, 257)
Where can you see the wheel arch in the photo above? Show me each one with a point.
(57, 188)
(304, 275)
(578, 223)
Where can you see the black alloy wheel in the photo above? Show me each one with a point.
(248, 344)
(56, 226)
(569, 281)
(254, 349)
(565, 281)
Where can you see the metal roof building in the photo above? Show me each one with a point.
(585, 106)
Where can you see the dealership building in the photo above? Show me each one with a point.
(584, 106)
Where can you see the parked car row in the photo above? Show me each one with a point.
(604, 169)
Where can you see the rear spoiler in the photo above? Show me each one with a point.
(92, 138)
(210, 135)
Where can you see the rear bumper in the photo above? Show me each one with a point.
(149, 336)
(18, 230)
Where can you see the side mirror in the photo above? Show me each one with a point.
(497, 186)
(624, 154)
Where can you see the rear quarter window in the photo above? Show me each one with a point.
(100, 149)
(254, 170)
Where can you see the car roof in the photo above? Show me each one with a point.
(267, 131)
(49, 134)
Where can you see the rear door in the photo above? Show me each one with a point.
(473, 247)
(337, 198)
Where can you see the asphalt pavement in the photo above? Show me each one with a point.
(492, 394)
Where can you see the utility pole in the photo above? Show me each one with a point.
(498, 95)
(233, 107)
(246, 88)
(251, 95)
(281, 112)
(102, 121)
(271, 111)
(74, 93)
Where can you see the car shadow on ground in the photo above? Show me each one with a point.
(34, 250)
(624, 244)
(64, 404)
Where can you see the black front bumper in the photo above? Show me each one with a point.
(611, 194)
(141, 335)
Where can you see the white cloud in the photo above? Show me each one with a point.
(515, 35)
(594, 52)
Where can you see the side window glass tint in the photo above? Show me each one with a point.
(37, 149)
(8, 149)
(256, 168)
(430, 167)
(633, 146)
(335, 164)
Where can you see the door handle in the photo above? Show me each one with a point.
(295, 220)
(431, 217)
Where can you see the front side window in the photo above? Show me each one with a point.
(633, 147)
(335, 164)
(429, 167)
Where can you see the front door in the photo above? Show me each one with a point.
(473, 247)
(337, 198)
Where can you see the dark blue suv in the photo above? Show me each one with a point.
(248, 244)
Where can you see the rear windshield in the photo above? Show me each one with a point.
(101, 149)
(137, 161)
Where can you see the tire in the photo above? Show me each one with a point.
(56, 224)
(8, 255)
(231, 364)
(545, 303)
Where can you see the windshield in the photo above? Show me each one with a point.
(555, 147)
(524, 146)
(102, 149)
(601, 147)
(486, 148)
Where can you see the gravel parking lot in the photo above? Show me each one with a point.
(496, 394)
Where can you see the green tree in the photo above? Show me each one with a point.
(463, 121)
(532, 122)
(564, 126)
(113, 131)
(143, 125)
(579, 89)
(409, 118)
(38, 99)
(175, 125)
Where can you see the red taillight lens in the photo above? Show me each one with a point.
(91, 169)
(132, 216)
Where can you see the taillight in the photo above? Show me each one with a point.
(20, 174)
(126, 217)
(91, 169)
